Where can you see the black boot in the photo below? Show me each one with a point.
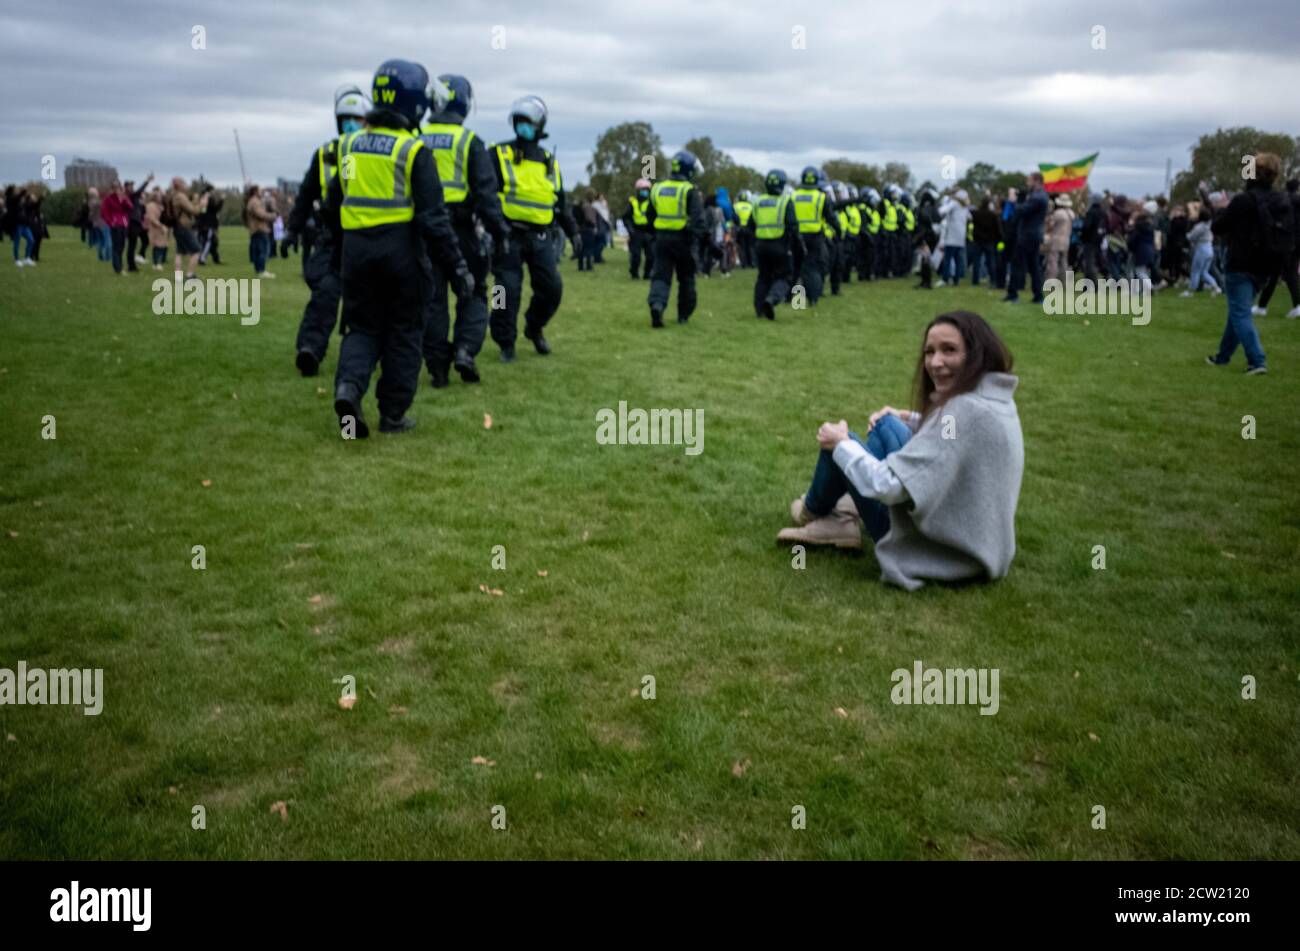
(437, 377)
(307, 363)
(508, 354)
(539, 341)
(347, 402)
(656, 317)
(403, 425)
(465, 366)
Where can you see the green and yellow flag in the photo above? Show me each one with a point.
(1068, 177)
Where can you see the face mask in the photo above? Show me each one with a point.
(526, 131)
(643, 194)
(351, 125)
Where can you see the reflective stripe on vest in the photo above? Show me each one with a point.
(769, 216)
(669, 199)
(375, 168)
(808, 204)
(530, 192)
(638, 210)
(855, 220)
(743, 211)
(449, 144)
(327, 165)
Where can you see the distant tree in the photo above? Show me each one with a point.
(61, 207)
(1217, 159)
(899, 173)
(983, 177)
(855, 173)
(620, 157)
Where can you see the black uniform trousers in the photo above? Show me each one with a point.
(772, 285)
(674, 254)
(386, 276)
(471, 314)
(745, 246)
(536, 248)
(321, 271)
(834, 249)
(640, 241)
(813, 265)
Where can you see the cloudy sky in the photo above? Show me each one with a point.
(1012, 83)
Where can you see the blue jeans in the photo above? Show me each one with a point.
(22, 232)
(1202, 258)
(1239, 288)
(259, 246)
(954, 260)
(104, 243)
(829, 481)
(1026, 260)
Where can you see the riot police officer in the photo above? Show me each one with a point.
(640, 236)
(321, 264)
(814, 217)
(469, 189)
(387, 203)
(531, 193)
(677, 216)
(777, 243)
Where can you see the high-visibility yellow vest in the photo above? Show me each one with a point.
(855, 220)
(970, 229)
(808, 205)
(827, 230)
(769, 216)
(873, 220)
(639, 207)
(449, 144)
(909, 219)
(842, 217)
(743, 211)
(669, 199)
(890, 217)
(327, 165)
(375, 169)
(531, 187)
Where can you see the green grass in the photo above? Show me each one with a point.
(220, 683)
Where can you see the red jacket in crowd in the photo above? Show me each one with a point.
(116, 210)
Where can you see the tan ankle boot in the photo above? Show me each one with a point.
(834, 529)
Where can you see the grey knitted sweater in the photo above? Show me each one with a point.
(962, 473)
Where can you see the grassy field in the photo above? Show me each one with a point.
(1119, 687)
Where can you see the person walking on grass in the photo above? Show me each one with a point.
(1202, 242)
(1287, 273)
(936, 486)
(16, 224)
(116, 211)
(258, 220)
(158, 234)
(1259, 232)
(179, 212)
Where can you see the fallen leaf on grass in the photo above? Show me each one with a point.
(37, 502)
(842, 713)
(537, 775)
(347, 703)
(738, 769)
(1094, 737)
(396, 711)
(586, 535)
(315, 599)
(542, 573)
(10, 738)
(282, 809)
(1228, 554)
(495, 592)
(483, 761)
(487, 420)
(206, 483)
(1076, 675)
(320, 391)
(171, 790)
(13, 534)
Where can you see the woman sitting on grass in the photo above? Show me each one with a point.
(936, 486)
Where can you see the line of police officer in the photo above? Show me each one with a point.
(410, 209)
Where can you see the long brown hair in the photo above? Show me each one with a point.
(985, 353)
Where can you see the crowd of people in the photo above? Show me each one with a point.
(23, 221)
